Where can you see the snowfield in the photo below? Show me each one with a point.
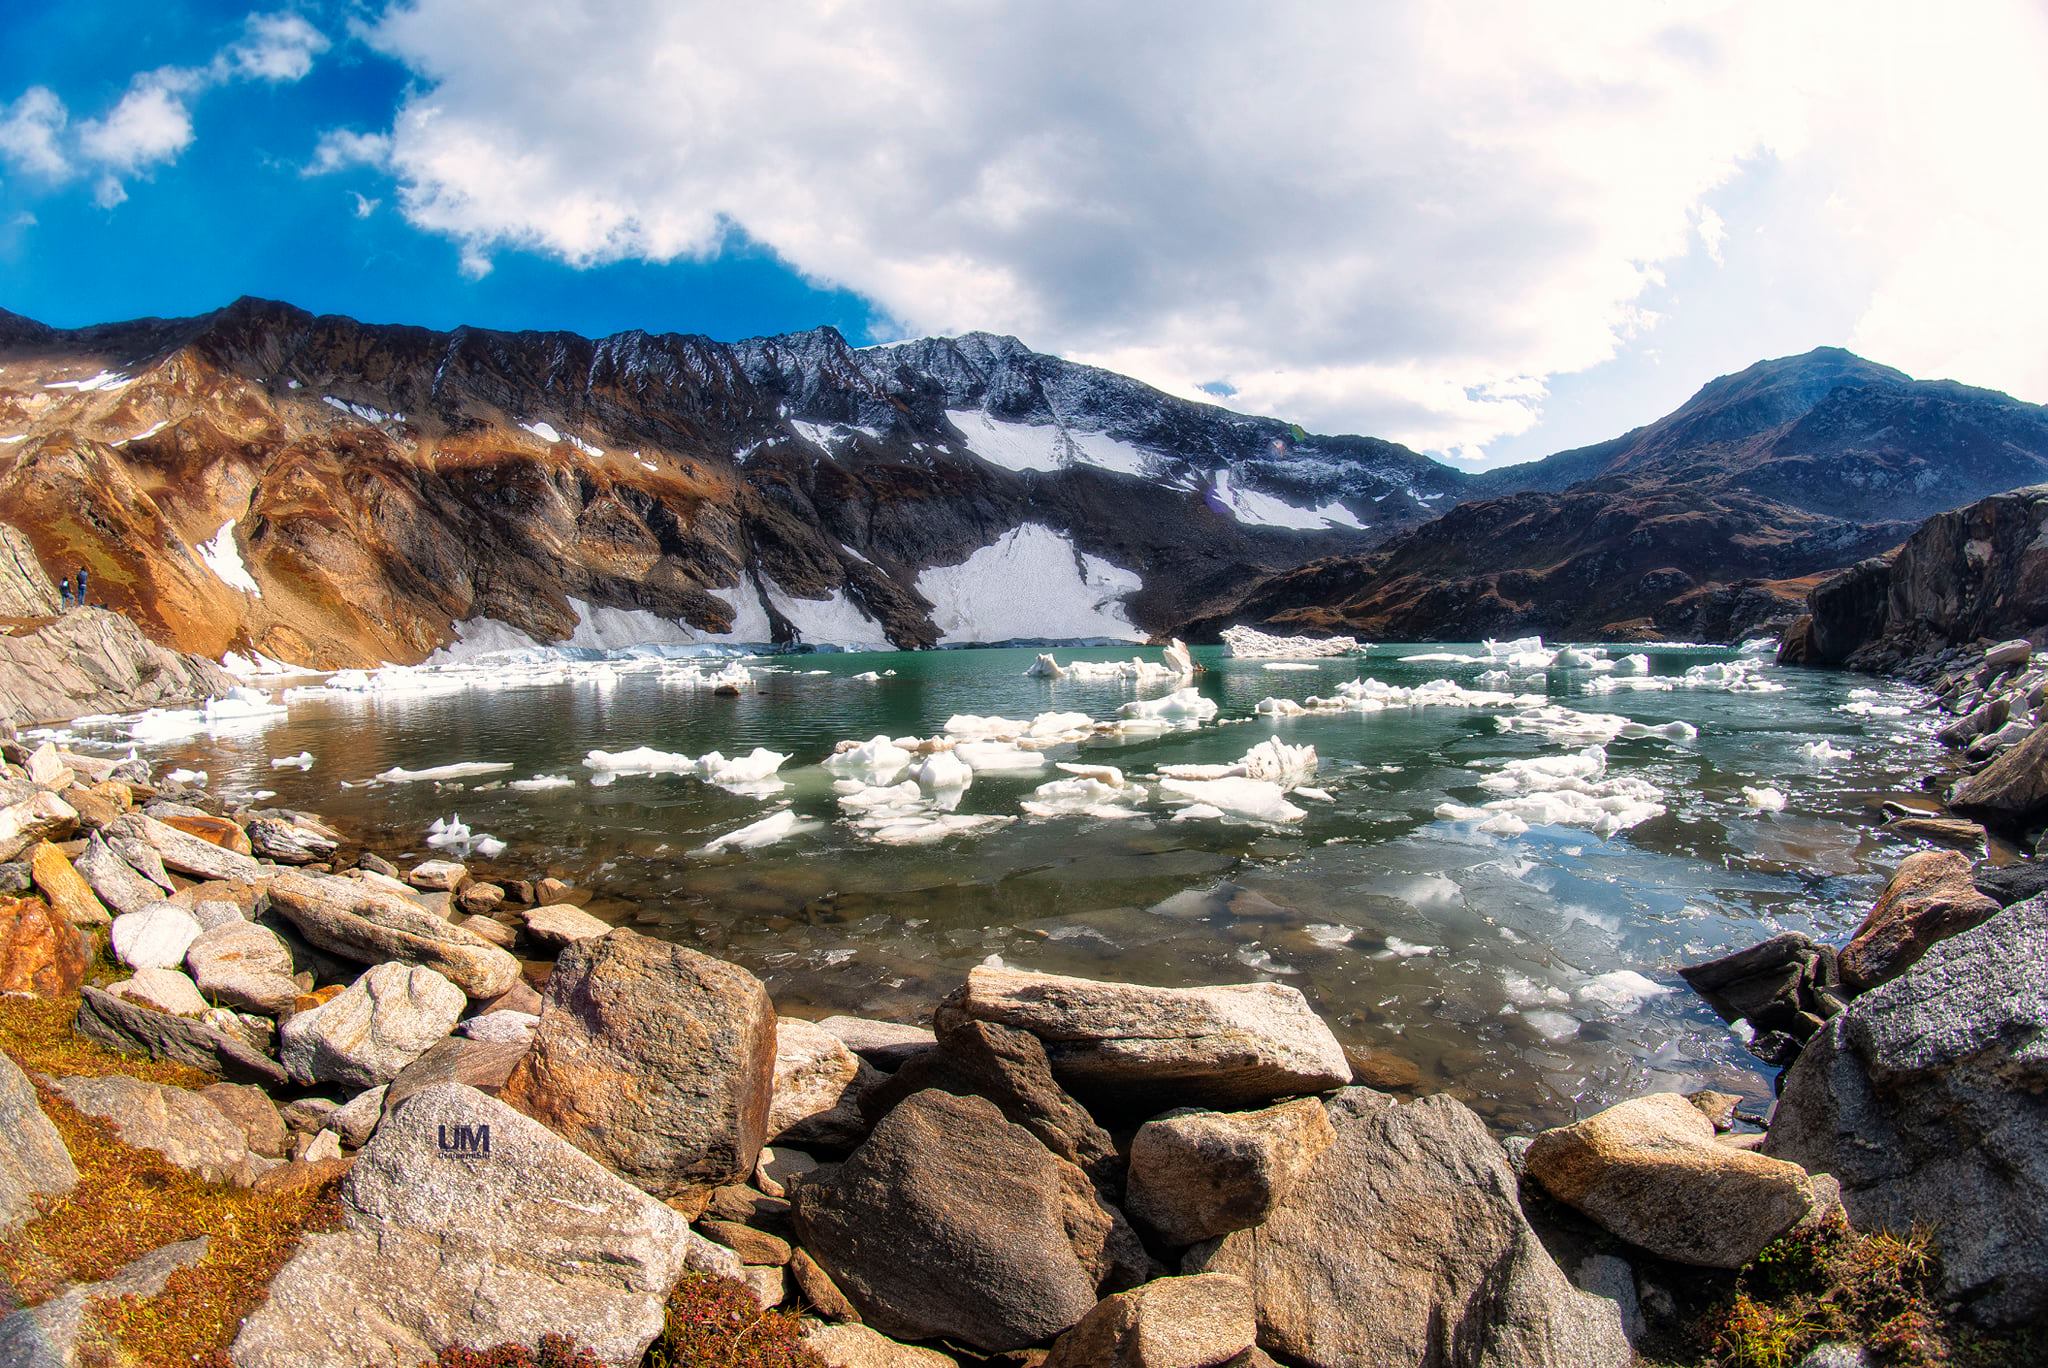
(1032, 582)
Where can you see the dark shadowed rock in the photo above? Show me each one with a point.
(120, 1025)
(1770, 984)
(1405, 1243)
(884, 1044)
(481, 1064)
(819, 1084)
(1196, 1175)
(33, 1160)
(657, 1060)
(1929, 896)
(446, 1243)
(2012, 883)
(2012, 791)
(354, 920)
(1232, 1045)
(1012, 1244)
(1928, 1101)
(1650, 1171)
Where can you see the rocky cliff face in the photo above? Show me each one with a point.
(333, 493)
(1976, 573)
(1708, 524)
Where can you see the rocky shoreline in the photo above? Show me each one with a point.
(540, 1124)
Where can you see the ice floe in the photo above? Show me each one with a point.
(1823, 752)
(1182, 705)
(242, 710)
(1177, 664)
(1569, 791)
(776, 826)
(302, 761)
(877, 760)
(1236, 799)
(464, 769)
(1763, 799)
(453, 834)
(1248, 643)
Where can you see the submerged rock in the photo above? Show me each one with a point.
(1650, 1172)
(952, 1222)
(1405, 1243)
(1233, 1045)
(465, 1223)
(1928, 1101)
(655, 1059)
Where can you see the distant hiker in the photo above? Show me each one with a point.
(64, 588)
(81, 586)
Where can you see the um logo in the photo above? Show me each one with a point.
(466, 1142)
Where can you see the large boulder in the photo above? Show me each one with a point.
(1194, 1322)
(365, 1034)
(119, 1025)
(186, 853)
(243, 965)
(1929, 896)
(33, 1160)
(1195, 1175)
(32, 819)
(186, 1129)
(1236, 1045)
(1650, 1171)
(287, 842)
(1405, 1243)
(41, 954)
(465, 1223)
(113, 880)
(656, 1059)
(1928, 1101)
(52, 1333)
(2011, 792)
(166, 990)
(368, 925)
(56, 879)
(952, 1222)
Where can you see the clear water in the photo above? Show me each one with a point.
(1475, 957)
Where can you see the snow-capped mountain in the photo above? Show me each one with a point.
(333, 493)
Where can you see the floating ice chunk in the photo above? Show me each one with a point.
(944, 770)
(1180, 704)
(926, 829)
(1276, 761)
(1621, 990)
(1281, 666)
(1580, 658)
(1247, 643)
(640, 760)
(1200, 812)
(757, 766)
(188, 776)
(1401, 949)
(1763, 799)
(1823, 753)
(540, 783)
(1523, 991)
(302, 761)
(1324, 933)
(997, 756)
(1200, 771)
(1668, 731)
(878, 759)
(1085, 797)
(1313, 794)
(452, 833)
(1553, 1025)
(1108, 774)
(1638, 664)
(776, 826)
(1759, 646)
(466, 769)
(1251, 800)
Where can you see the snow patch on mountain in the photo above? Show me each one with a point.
(1047, 447)
(832, 621)
(1265, 510)
(224, 558)
(1031, 582)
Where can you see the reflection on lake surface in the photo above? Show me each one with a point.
(1531, 973)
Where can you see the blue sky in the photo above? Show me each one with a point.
(1490, 240)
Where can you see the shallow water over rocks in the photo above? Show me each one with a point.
(1531, 973)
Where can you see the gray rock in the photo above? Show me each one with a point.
(251, 1109)
(355, 1120)
(1012, 1244)
(1928, 1100)
(365, 1034)
(656, 1060)
(165, 990)
(354, 920)
(818, 1087)
(1836, 1354)
(445, 1242)
(186, 1129)
(121, 1025)
(1235, 1045)
(154, 938)
(1192, 1322)
(2007, 654)
(214, 913)
(559, 925)
(33, 1160)
(48, 1335)
(139, 855)
(884, 1044)
(852, 1345)
(505, 1028)
(31, 820)
(187, 854)
(1195, 1175)
(240, 964)
(288, 843)
(116, 881)
(1406, 1243)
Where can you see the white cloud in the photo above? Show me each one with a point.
(342, 148)
(151, 124)
(29, 133)
(275, 47)
(1713, 232)
(364, 205)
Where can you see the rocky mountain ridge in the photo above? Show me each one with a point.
(332, 493)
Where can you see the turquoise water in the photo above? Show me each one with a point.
(1488, 961)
